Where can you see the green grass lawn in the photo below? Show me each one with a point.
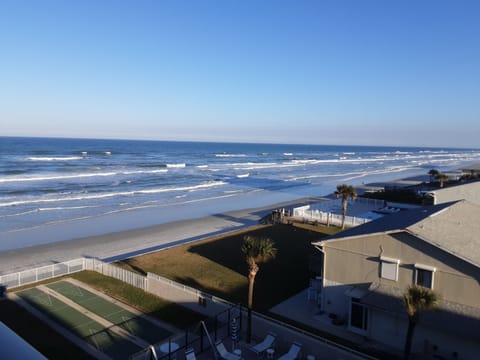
(218, 266)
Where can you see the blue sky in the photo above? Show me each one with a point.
(319, 72)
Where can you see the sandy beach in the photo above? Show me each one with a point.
(145, 231)
(124, 244)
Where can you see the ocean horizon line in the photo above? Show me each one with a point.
(239, 142)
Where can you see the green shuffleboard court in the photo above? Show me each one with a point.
(117, 315)
(89, 330)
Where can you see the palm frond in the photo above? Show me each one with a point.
(345, 191)
(258, 250)
(418, 298)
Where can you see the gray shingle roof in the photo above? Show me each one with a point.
(453, 227)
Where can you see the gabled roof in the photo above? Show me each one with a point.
(453, 227)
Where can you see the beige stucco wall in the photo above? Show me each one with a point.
(391, 329)
(469, 191)
(357, 261)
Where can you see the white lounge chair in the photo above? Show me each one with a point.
(224, 353)
(267, 343)
(190, 354)
(293, 353)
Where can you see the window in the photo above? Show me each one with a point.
(358, 316)
(389, 268)
(424, 275)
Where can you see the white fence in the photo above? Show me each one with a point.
(327, 218)
(43, 273)
(35, 275)
(328, 212)
(129, 277)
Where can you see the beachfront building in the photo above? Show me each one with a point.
(469, 190)
(366, 270)
(473, 169)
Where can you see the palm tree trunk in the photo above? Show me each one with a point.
(251, 282)
(344, 211)
(408, 340)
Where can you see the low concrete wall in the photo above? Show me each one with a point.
(311, 345)
(186, 296)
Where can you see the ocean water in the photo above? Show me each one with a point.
(46, 182)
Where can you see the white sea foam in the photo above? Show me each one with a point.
(57, 158)
(180, 165)
(53, 177)
(78, 176)
(137, 172)
(112, 194)
(62, 208)
(230, 155)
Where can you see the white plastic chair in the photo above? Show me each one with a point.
(190, 354)
(224, 353)
(267, 343)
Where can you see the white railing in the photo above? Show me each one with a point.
(35, 275)
(327, 218)
(375, 203)
(127, 276)
(31, 276)
(335, 205)
(327, 212)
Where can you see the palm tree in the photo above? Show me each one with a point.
(416, 299)
(345, 192)
(433, 174)
(442, 178)
(256, 250)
